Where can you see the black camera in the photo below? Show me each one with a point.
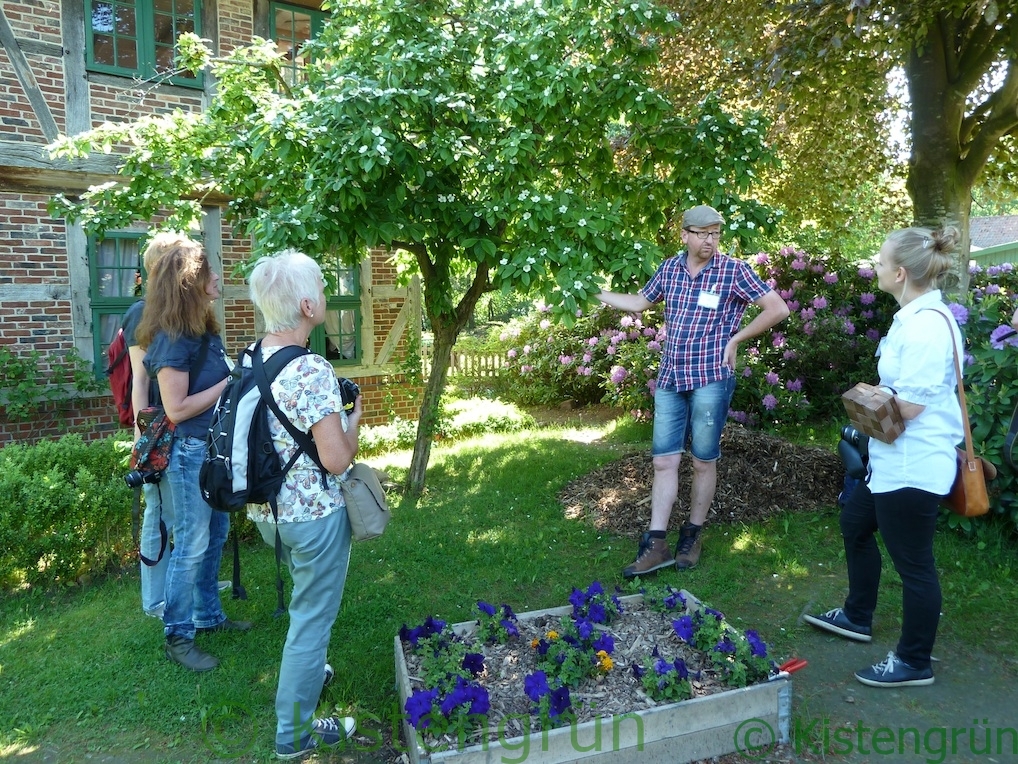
(854, 450)
(853, 436)
(348, 391)
(137, 478)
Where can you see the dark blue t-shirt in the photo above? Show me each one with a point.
(130, 326)
(182, 354)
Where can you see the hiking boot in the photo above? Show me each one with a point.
(330, 731)
(226, 625)
(894, 672)
(687, 551)
(183, 651)
(836, 622)
(652, 555)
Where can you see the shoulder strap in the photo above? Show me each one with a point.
(263, 377)
(970, 452)
(264, 373)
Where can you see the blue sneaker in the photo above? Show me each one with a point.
(836, 622)
(330, 731)
(894, 672)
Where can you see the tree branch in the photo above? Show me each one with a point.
(1002, 107)
(977, 53)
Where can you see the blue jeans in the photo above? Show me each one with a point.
(695, 416)
(199, 533)
(906, 519)
(317, 553)
(151, 544)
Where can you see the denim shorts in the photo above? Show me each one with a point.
(696, 417)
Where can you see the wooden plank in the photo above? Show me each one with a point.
(395, 334)
(78, 117)
(27, 79)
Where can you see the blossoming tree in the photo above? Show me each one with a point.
(519, 144)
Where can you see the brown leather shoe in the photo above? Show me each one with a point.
(687, 551)
(653, 554)
(226, 625)
(183, 651)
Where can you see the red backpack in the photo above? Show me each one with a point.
(118, 369)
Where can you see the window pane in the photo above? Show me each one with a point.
(346, 282)
(102, 49)
(127, 53)
(126, 24)
(109, 323)
(116, 268)
(102, 17)
(341, 334)
(163, 6)
(291, 29)
(164, 30)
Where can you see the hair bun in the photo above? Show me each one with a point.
(946, 239)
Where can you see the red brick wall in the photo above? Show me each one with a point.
(33, 246)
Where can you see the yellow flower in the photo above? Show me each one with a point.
(552, 634)
(535, 642)
(604, 661)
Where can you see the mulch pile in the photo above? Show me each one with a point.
(759, 476)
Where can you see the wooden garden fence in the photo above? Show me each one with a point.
(467, 364)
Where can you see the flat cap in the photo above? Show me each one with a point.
(700, 216)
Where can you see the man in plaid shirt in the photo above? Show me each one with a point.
(706, 294)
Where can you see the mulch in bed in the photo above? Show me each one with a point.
(759, 475)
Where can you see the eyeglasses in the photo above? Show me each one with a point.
(704, 235)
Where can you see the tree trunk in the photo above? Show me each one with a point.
(428, 414)
(446, 323)
(941, 191)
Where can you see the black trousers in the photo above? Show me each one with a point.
(906, 519)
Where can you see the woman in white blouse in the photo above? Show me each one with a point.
(909, 477)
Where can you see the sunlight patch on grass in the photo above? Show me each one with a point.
(15, 633)
(746, 541)
(491, 536)
(796, 569)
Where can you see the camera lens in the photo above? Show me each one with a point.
(137, 478)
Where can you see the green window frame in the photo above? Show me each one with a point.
(138, 38)
(291, 26)
(338, 339)
(116, 277)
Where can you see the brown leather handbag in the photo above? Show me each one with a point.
(968, 496)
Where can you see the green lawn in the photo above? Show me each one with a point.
(82, 671)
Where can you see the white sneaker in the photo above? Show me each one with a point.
(224, 585)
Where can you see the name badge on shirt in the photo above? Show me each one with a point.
(709, 300)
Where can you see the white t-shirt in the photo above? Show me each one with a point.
(917, 361)
(307, 391)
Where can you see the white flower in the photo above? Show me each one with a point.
(376, 130)
(577, 285)
(563, 209)
(526, 269)
(582, 222)
(637, 246)
(362, 149)
(504, 261)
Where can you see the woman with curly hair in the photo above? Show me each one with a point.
(183, 351)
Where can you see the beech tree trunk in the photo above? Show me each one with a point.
(938, 183)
